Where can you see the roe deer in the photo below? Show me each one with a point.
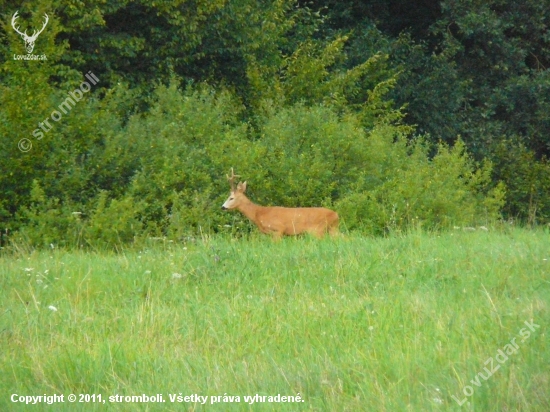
(279, 221)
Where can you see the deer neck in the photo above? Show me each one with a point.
(249, 209)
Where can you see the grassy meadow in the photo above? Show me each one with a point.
(403, 323)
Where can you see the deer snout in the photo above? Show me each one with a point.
(223, 207)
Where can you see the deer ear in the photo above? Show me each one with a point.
(242, 187)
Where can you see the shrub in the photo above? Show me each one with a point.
(49, 220)
(402, 186)
(177, 155)
(114, 221)
(162, 173)
(527, 180)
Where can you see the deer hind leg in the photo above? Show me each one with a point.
(333, 229)
(319, 234)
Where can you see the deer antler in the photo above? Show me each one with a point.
(15, 17)
(46, 19)
(232, 179)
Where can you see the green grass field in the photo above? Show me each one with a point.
(404, 323)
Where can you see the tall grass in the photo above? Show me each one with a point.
(351, 324)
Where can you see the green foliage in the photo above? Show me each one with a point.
(26, 98)
(130, 184)
(501, 56)
(309, 156)
(64, 159)
(475, 69)
(202, 40)
(180, 172)
(48, 220)
(318, 73)
(527, 180)
(113, 222)
(432, 89)
(402, 187)
(162, 173)
(502, 49)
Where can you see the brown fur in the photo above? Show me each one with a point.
(279, 221)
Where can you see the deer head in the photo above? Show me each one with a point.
(29, 40)
(237, 192)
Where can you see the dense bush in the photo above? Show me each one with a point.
(528, 182)
(155, 176)
(403, 187)
(162, 174)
